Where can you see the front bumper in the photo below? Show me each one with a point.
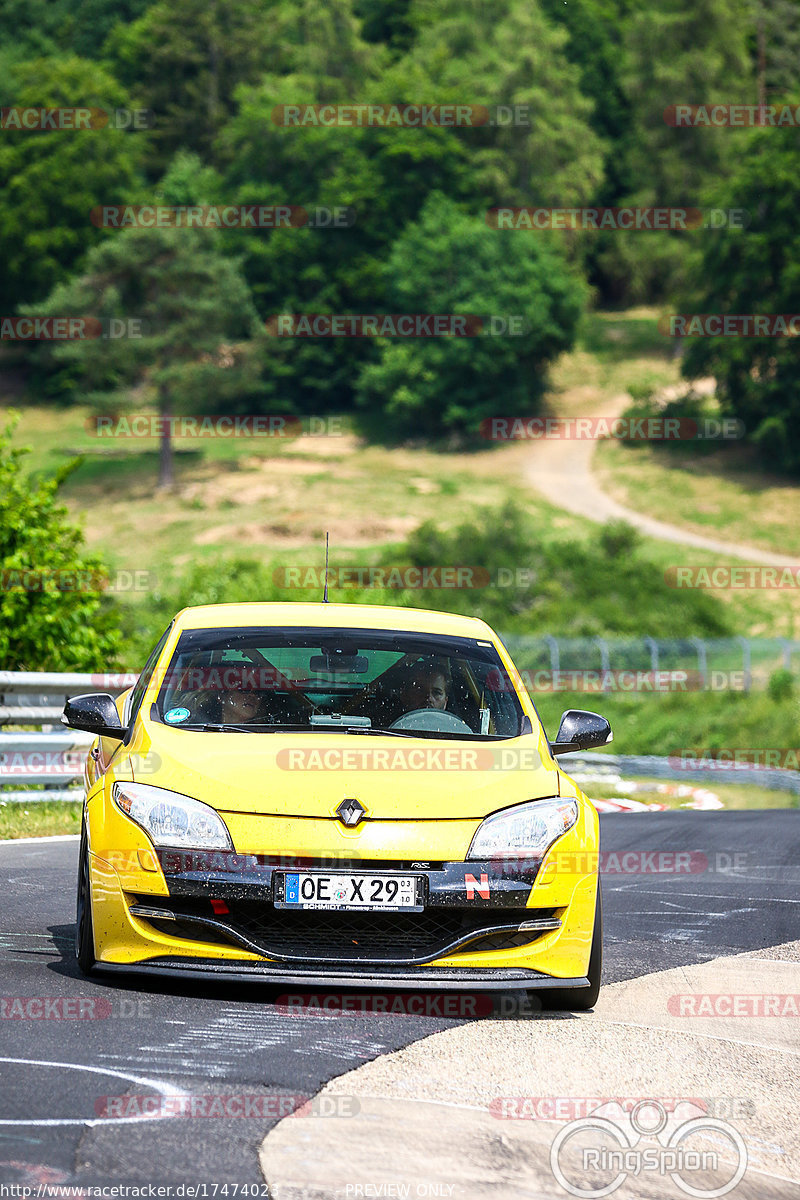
(496, 979)
(496, 925)
(230, 899)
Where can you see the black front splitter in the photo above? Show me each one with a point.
(497, 979)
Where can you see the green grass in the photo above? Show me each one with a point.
(42, 819)
(270, 503)
(722, 494)
(676, 723)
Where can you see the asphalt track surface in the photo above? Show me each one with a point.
(741, 893)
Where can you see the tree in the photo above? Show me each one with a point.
(185, 59)
(46, 27)
(194, 342)
(54, 615)
(374, 172)
(451, 263)
(386, 21)
(509, 54)
(676, 52)
(775, 48)
(756, 271)
(51, 179)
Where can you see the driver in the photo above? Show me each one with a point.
(428, 686)
(240, 704)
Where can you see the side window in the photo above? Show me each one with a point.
(141, 684)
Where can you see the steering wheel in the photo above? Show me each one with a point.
(431, 720)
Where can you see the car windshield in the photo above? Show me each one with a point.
(356, 681)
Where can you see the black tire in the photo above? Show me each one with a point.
(84, 927)
(583, 998)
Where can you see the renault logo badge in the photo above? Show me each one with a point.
(350, 812)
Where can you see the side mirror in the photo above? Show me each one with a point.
(94, 712)
(581, 730)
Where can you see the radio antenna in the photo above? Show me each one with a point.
(325, 592)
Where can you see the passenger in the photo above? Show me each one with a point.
(240, 705)
(428, 687)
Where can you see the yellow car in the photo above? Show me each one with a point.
(337, 794)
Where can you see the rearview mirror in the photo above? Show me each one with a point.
(94, 712)
(581, 730)
(338, 664)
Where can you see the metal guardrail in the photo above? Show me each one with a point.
(53, 756)
(599, 765)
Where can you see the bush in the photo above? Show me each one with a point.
(618, 539)
(451, 263)
(781, 685)
(54, 615)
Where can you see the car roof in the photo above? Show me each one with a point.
(349, 616)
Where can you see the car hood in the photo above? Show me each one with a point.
(308, 775)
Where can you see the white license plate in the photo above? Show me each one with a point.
(303, 889)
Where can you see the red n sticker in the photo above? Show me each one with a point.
(482, 888)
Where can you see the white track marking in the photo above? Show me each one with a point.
(158, 1086)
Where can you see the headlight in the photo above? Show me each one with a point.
(170, 819)
(528, 829)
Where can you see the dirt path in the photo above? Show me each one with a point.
(562, 472)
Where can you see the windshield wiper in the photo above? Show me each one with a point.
(209, 727)
(289, 727)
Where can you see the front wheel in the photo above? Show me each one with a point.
(582, 998)
(84, 929)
